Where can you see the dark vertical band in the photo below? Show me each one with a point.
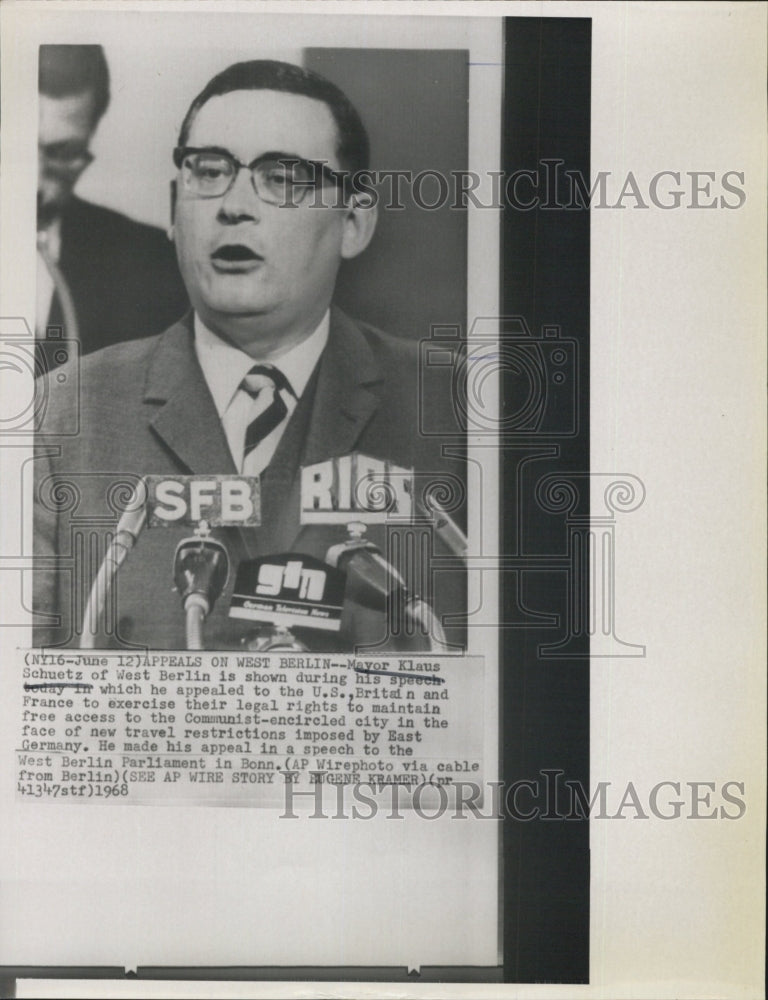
(545, 701)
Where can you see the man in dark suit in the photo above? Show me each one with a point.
(121, 275)
(262, 221)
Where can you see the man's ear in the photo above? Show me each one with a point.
(169, 230)
(359, 225)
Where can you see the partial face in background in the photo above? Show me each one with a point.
(66, 125)
(254, 269)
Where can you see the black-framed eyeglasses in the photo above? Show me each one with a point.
(277, 180)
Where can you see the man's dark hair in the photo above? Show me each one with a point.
(66, 70)
(267, 74)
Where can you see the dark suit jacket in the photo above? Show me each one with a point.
(144, 408)
(122, 274)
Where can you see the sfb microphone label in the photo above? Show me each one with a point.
(289, 589)
(221, 501)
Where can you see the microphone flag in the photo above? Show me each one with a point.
(220, 501)
(356, 487)
(290, 589)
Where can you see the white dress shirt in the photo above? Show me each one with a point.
(51, 235)
(224, 367)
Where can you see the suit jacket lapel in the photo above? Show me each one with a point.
(186, 421)
(343, 401)
(72, 235)
(343, 405)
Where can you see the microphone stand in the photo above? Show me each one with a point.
(129, 528)
(424, 617)
(274, 637)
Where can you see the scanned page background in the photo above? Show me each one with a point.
(678, 349)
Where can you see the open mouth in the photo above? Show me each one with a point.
(235, 253)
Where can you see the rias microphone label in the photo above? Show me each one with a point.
(356, 488)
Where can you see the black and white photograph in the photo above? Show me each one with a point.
(331, 441)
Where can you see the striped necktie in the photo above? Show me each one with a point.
(263, 384)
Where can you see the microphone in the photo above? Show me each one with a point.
(129, 527)
(200, 572)
(371, 580)
(374, 582)
(356, 490)
(201, 564)
(445, 527)
(286, 590)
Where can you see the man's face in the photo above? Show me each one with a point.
(65, 128)
(254, 269)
